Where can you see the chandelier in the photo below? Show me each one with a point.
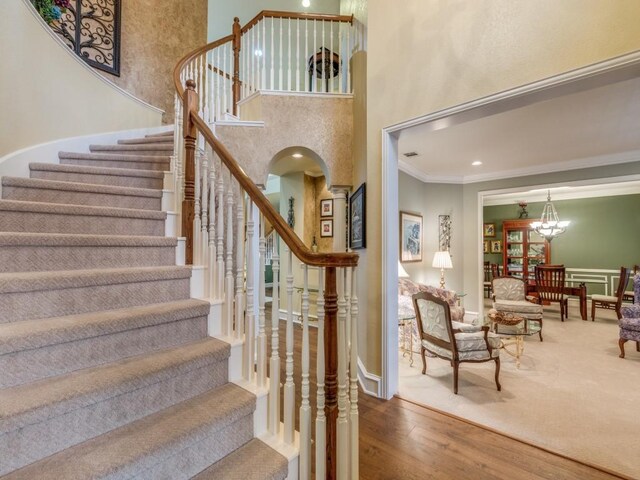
(549, 226)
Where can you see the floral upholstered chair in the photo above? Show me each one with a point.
(454, 341)
(509, 296)
(630, 321)
(408, 288)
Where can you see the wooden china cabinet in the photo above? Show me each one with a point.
(522, 249)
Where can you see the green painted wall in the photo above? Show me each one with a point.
(603, 233)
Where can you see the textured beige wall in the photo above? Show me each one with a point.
(430, 54)
(155, 35)
(321, 124)
(46, 93)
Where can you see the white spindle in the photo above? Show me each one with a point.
(261, 369)
(343, 59)
(323, 76)
(197, 225)
(297, 66)
(250, 339)
(200, 85)
(240, 263)
(353, 378)
(272, 54)
(314, 77)
(289, 78)
(229, 266)
(212, 255)
(220, 244)
(204, 204)
(321, 420)
(342, 446)
(305, 408)
(348, 59)
(274, 361)
(280, 86)
(224, 79)
(331, 57)
(289, 386)
(306, 55)
(205, 89)
(263, 49)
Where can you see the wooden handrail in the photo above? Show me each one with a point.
(298, 248)
(297, 16)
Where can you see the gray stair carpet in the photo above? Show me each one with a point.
(106, 368)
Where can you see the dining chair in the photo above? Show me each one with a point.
(453, 341)
(487, 279)
(628, 295)
(611, 302)
(550, 287)
(496, 270)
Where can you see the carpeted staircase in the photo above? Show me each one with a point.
(106, 369)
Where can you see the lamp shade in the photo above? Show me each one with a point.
(402, 273)
(442, 260)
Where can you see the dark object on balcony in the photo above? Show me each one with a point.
(326, 65)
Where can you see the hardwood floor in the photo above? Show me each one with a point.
(400, 440)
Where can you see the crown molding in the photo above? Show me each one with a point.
(426, 178)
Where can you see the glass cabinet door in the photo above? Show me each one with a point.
(515, 236)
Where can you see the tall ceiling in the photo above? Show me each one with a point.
(587, 128)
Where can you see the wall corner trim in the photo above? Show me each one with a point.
(371, 384)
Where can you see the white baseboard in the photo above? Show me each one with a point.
(371, 384)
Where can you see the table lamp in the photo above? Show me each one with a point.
(442, 260)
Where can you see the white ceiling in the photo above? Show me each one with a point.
(592, 127)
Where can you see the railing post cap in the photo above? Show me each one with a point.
(191, 84)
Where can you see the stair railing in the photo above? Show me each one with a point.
(223, 214)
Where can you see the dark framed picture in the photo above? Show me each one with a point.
(486, 246)
(496, 246)
(489, 230)
(326, 228)
(410, 237)
(326, 207)
(357, 219)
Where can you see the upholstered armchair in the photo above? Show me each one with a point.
(630, 321)
(454, 341)
(509, 296)
(407, 287)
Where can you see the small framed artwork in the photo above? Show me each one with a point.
(486, 246)
(326, 207)
(326, 228)
(357, 218)
(489, 230)
(410, 237)
(496, 246)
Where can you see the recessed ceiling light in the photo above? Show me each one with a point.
(297, 155)
(476, 163)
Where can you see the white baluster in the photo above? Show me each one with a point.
(289, 385)
(204, 203)
(289, 61)
(343, 58)
(249, 344)
(197, 226)
(297, 64)
(205, 88)
(261, 368)
(331, 55)
(321, 420)
(272, 54)
(306, 54)
(212, 255)
(305, 408)
(218, 81)
(263, 49)
(220, 270)
(342, 446)
(274, 361)
(224, 80)
(348, 60)
(280, 59)
(314, 77)
(323, 76)
(353, 378)
(229, 266)
(240, 264)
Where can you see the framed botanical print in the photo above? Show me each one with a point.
(410, 237)
(326, 207)
(496, 246)
(326, 228)
(489, 230)
(358, 219)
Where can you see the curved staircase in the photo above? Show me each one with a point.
(106, 367)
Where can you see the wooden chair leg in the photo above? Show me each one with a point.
(424, 360)
(637, 346)
(540, 332)
(561, 311)
(593, 311)
(455, 377)
(498, 374)
(618, 312)
(621, 343)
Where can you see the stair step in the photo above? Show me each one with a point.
(154, 149)
(35, 295)
(73, 193)
(48, 416)
(21, 216)
(253, 461)
(38, 252)
(157, 162)
(120, 177)
(165, 139)
(31, 351)
(162, 134)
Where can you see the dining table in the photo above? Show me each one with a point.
(580, 291)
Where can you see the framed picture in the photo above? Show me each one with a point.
(496, 246)
(410, 237)
(357, 218)
(486, 246)
(326, 207)
(326, 228)
(489, 230)
(444, 232)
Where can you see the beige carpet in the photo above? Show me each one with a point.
(572, 394)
